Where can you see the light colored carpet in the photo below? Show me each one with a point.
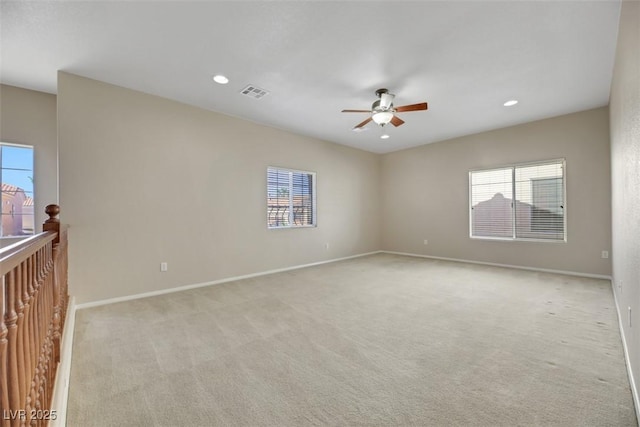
(381, 340)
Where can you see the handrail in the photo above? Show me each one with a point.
(33, 299)
(13, 255)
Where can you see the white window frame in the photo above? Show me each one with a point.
(513, 168)
(291, 222)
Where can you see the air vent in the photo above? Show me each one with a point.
(254, 92)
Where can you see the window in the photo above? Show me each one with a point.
(519, 202)
(16, 176)
(291, 198)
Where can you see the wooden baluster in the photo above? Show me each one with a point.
(20, 336)
(48, 353)
(27, 335)
(37, 332)
(10, 319)
(32, 332)
(4, 386)
(49, 320)
(45, 316)
(57, 303)
(40, 329)
(64, 277)
(27, 340)
(35, 384)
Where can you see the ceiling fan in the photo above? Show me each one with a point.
(383, 112)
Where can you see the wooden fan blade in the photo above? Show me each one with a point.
(412, 107)
(363, 123)
(396, 121)
(356, 111)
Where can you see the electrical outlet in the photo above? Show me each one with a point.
(629, 316)
(426, 242)
(326, 246)
(605, 254)
(164, 266)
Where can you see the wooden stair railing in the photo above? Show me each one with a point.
(33, 281)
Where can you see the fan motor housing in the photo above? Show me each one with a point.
(375, 107)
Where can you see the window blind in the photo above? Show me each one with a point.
(290, 198)
(518, 202)
(491, 208)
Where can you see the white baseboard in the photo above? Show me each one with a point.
(518, 267)
(627, 359)
(61, 386)
(214, 282)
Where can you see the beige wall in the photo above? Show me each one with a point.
(625, 165)
(29, 117)
(128, 161)
(425, 194)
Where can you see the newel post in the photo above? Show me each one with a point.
(53, 223)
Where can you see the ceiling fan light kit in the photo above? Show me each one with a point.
(383, 112)
(382, 117)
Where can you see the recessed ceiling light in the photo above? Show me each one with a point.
(384, 136)
(511, 103)
(219, 78)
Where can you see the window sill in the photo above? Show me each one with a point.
(291, 227)
(509, 239)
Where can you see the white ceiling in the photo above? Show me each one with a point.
(465, 58)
